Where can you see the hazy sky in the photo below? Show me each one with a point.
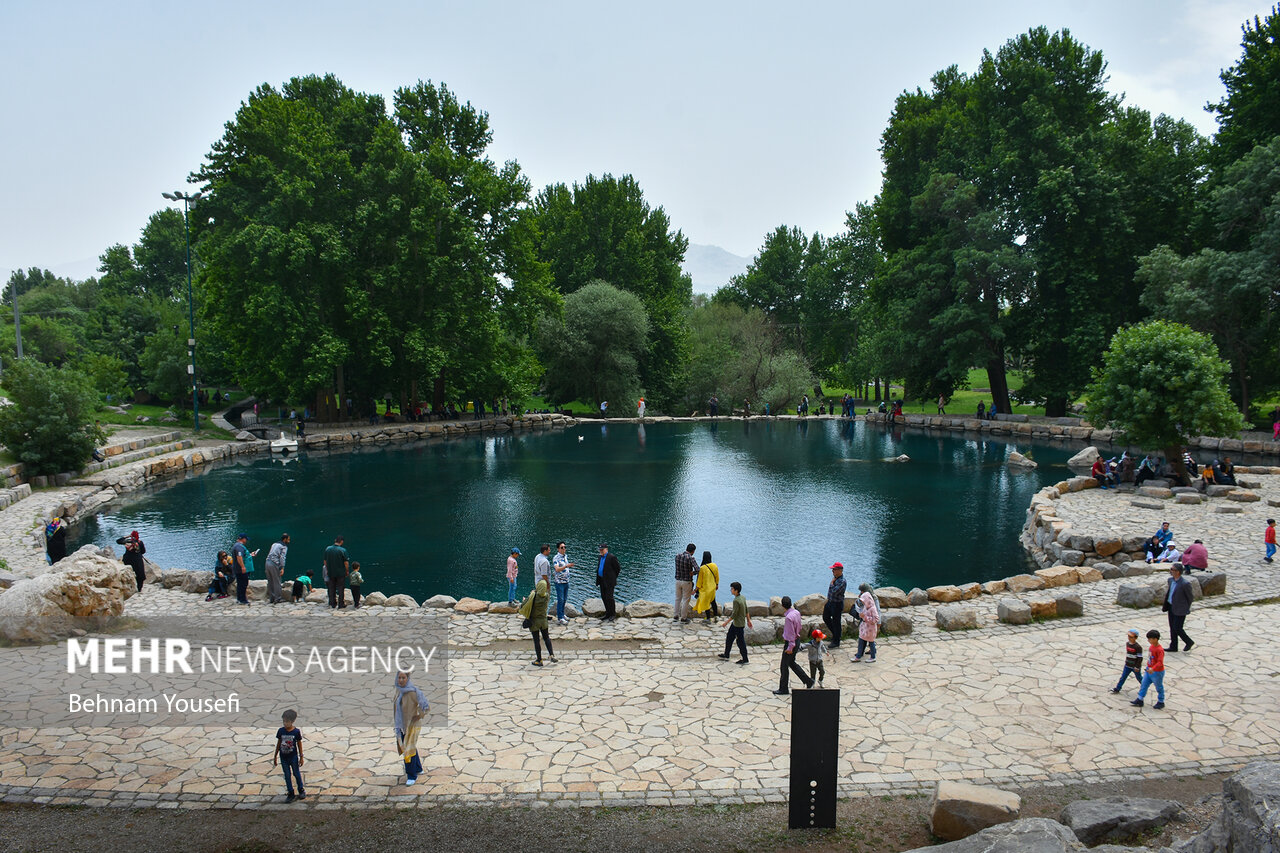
(734, 116)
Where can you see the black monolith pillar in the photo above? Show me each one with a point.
(815, 753)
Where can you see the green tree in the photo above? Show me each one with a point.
(1249, 114)
(161, 256)
(593, 352)
(737, 355)
(1162, 383)
(50, 425)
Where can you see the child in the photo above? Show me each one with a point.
(1132, 661)
(1155, 672)
(741, 621)
(1269, 539)
(289, 753)
(301, 588)
(817, 649)
(355, 580)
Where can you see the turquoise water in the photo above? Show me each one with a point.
(776, 503)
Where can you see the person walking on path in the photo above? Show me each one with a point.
(561, 566)
(1132, 661)
(869, 626)
(289, 754)
(275, 569)
(817, 649)
(741, 620)
(1177, 603)
(790, 644)
(833, 610)
(607, 572)
(409, 706)
(686, 567)
(336, 564)
(942, 402)
(1269, 539)
(542, 565)
(534, 610)
(513, 571)
(640, 408)
(240, 561)
(1154, 674)
(708, 586)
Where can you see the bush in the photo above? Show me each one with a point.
(49, 426)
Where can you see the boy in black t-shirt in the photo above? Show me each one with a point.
(289, 753)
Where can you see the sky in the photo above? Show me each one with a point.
(735, 117)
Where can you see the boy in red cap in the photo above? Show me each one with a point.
(817, 650)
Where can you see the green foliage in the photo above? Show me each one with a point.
(1249, 115)
(107, 374)
(737, 356)
(50, 426)
(1162, 383)
(593, 352)
(164, 358)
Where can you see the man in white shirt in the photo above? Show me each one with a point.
(542, 565)
(561, 566)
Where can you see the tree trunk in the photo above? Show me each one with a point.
(437, 393)
(1244, 400)
(341, 380)
(1055, 407)
(878, 397)
(999, 383)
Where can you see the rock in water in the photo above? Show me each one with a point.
(1017, 460)
(1084, 459)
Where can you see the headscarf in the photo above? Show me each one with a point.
(53, 527)
(400, 692)
(870, 610)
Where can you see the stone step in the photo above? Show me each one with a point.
(118, 448)
(141, 453)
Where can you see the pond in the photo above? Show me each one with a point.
(775, 502)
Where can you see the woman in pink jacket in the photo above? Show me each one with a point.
(869, 626)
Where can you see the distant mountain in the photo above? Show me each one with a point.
(711, 267)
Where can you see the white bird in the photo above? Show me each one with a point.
(579, 438)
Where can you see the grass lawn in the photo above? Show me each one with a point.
(962, 402)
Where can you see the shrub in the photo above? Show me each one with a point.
(49, 426)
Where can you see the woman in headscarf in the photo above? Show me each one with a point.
(55, 539)
(535, 610)
(708, 584)
(409, 707)
(134, 560)
(869, 627)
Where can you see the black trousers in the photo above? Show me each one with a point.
(337, 591)
(537, 643)
(610, 606)
(832, 615)
(789, 665)
(739, 634)
(1176, 632)
(355, 595)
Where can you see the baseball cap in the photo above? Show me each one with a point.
(515, 550)
(839, 566)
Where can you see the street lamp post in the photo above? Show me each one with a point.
(186, 199)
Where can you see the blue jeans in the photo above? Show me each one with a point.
(511, 591)
(1156, 678)
(289, 764)
(862, 647)
(562, 595)
(1271, 550)
(1124, 676)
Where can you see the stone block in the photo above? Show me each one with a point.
(1228, 509)
(1137, 595)
(775, 606)
(400, 600)
(320, 596)
(1112, 572)
(1018, 461)
(1138, 568)
(475, 605)
(895, 625)
(257, 591)
(1069, 604)
(1058, 576)
(1043, 607)
(761, 632)
(994, 587)
(591, 607)
(501, 608)
(1146, 503)
(1071, 557)
(945, 593)
(1024, 583)
(1155, 492)
(1013, 612)
(891, 596)
(917, 596)
(1089, 574)
(1216, 491)
(960, 809)
(374, 599)
(969, 591)
(1079, 542)
(1213, 583)
(440, 602)
(956, 617)
(1188, 499)
(757, 608)
(1244, 496)
(1131, 544)
(1084, 459)
(641, 609)
(1105, 547)
(811, 605)
(1117, 818)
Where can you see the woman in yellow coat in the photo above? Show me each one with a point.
(708, 584)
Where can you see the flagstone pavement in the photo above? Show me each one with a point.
(642, 712)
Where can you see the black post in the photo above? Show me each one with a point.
(815, 754)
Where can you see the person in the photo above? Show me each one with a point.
(790, 644)
(513, 571)
(222, 573)
(1100, 472)
(1195, 557)
(817, 649)
(534, 610)
(561, 565)
(803, 408)
(869, 624)
(1146, 470)
(301, 587)
(355, 580)
(640, 408)
(942, 402)
(336, 564)
(134, 560)
(1155, 672)
(686, 567)
(737, 623)
(1127, 469)
(55, 539)
(409, 705)
(1164, 535)
(982, 410)
(1177, 603)
(604, 408)
(713, 406)
(1132, 661)
(1269, 539)
(708, 586)
(542, 564)
(1206, 480)
(241, 562)
(833, 610)
(274, 568)
(1226, 474)
(746, 408)
(1170, 554)
(289, 754)
(607, 579)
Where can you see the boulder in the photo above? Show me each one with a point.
(1043, 607)
(956, 617)
(993, 587)
(811, 605)
(1084, 459)
(1078, 542)
(1146, 503)
(1019, 462)
(891, 596)
(1138, 568)
(969, 591)
(641, 609)
(1216, 491)
(1069, 604)
(373, 599)
(1024, 583)
(475, 605)
(895, 625)
(1137, 595)
(1117, 818)
(761, 632)
(960, 809)
(1105, 547)
(775, 606)
(1244, 496)
(570, 611)
(1058, 576)
(501, 608)
(400, 600)
(1011, 611)
(1188, 499)
(1228, 509)
(440, 602)
(84, 592)
(945, 593)
(757, 608)
(257, 591)
(1089, 574)
(917, 596)
(1029, 835)
(1112, 572)
(1249, 816)
(1212, 583)
(591, 607)
(320, 596)
(197, 582)
(1155, 492)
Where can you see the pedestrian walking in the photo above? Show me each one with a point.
(276, 557)
(817, 650)
(790, 645)
(534, 611)
(1177, 603)
(1132, 661)
(409, 706)
(607, 572)
(133, 559)
(289, 754)
(738, 622)
(1269, 539)
(1155, 672)
(55, 540)
(706, 589)
(869, 626)
(833, 610)
(686, 567)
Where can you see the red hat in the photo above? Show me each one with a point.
(839, 566)
(818, 635)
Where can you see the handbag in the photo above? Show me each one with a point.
(526, 610)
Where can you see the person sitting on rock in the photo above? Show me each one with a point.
(1100, 473)
(1207, 479)
(1225, 473)
(1147, 470)
(1152, 547)
(1195, 557)
(1170, 554)
(1127, 469)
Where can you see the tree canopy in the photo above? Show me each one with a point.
(593, 351)
(1249, 113)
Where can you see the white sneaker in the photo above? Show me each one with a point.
(409, 781)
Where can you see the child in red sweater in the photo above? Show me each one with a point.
(1155, 672)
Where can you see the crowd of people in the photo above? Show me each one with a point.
(1123, 469)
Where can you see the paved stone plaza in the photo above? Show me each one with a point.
(642, 711)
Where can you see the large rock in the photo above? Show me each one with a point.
(761, 632)
(1212, 583)
(1018, 461)
(373, 599)
(1108, 546)
(945, 593)
(1216, 491)
(1117, 818)
(1089, 574)
(1154, 492)
(971, 590)
(891, 596)
(917, 596)
(84, 592)
(1084, 459)
(641, 609)
(1043, 607)
(1146, 503)
(475, 605)
(440, 602)
(1013, 612)
(811, 605)
(960, 809)
(775, 606)
(1029, 835)
(1071, 557)
(895, 625)
(502, 608)
(993, 587)
(757, 608)
(1024, 583)
(400, 600)
(1138, 568)
(1244, 496)
(197, 581)
(1250, 816)
(1058, 576)
(591, 607)
(956, 617)
(1228, 509)
(1137, 595)
(1069, 604)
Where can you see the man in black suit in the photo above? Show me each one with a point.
(1177, 603)
(607, 572)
